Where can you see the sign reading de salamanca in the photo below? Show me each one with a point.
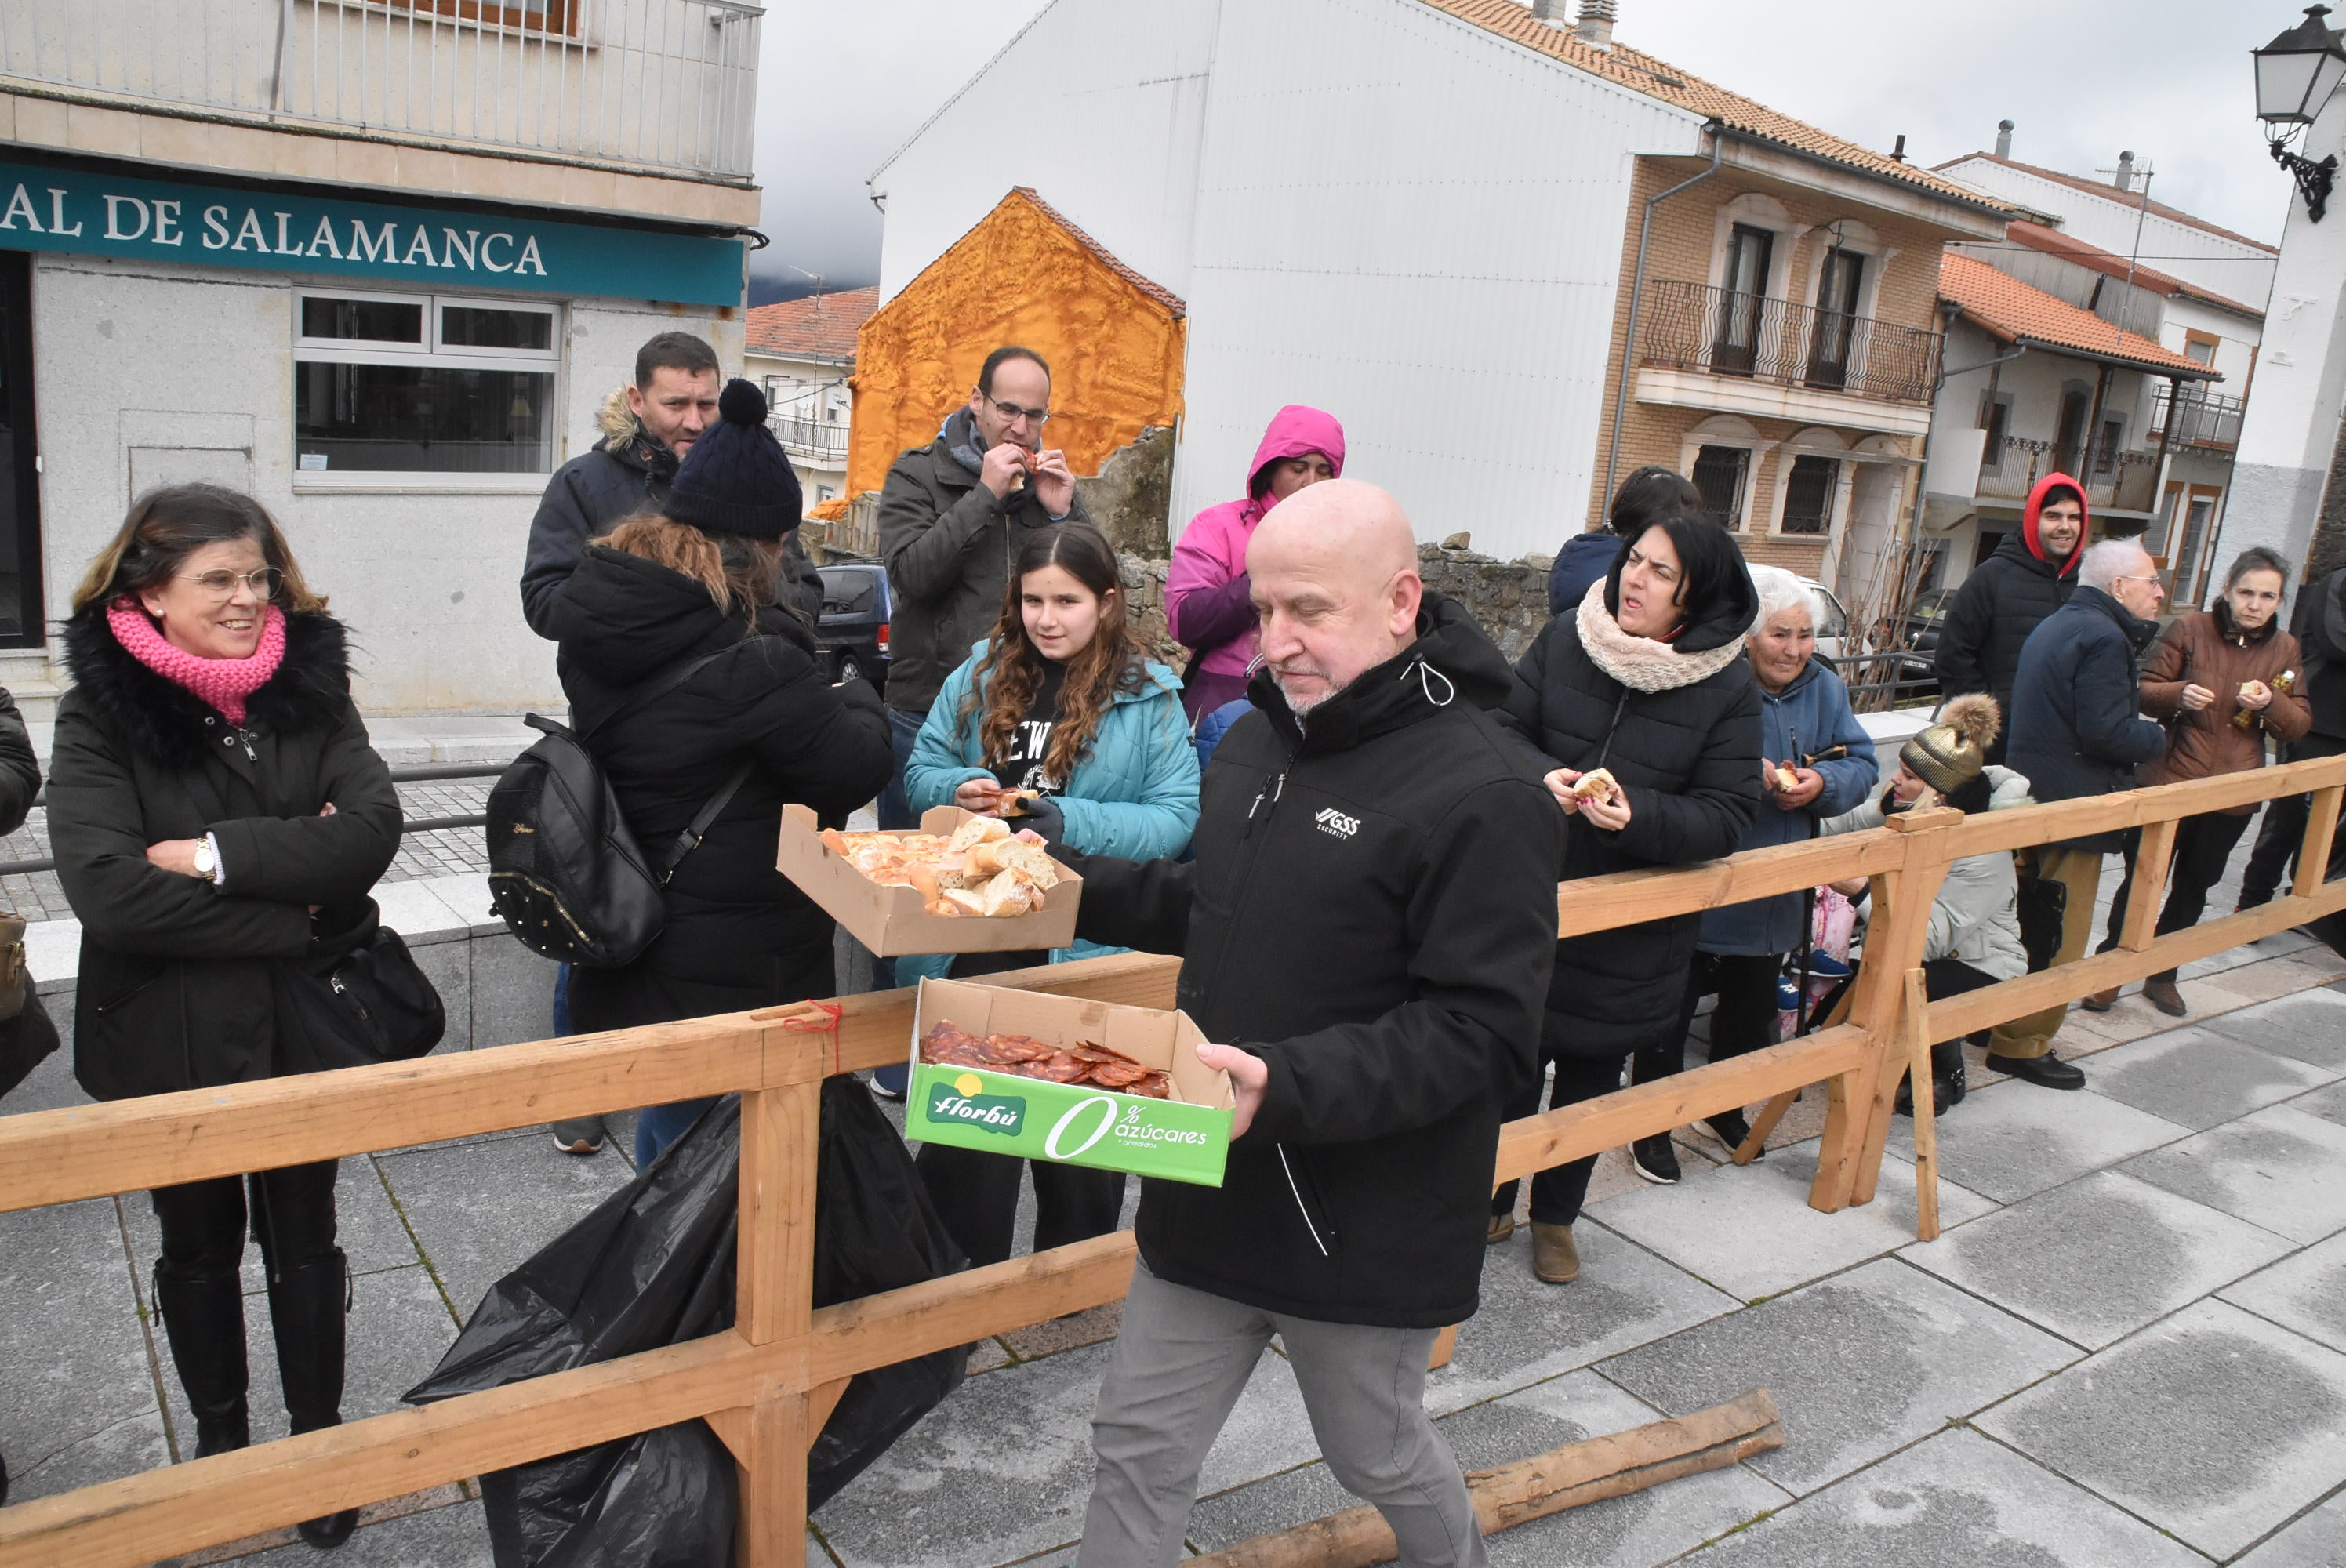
(71, 209)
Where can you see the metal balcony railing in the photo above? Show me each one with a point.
(665, 85)
(2201, 418)
(818, 440)
(1728, 333)
(2120, 481)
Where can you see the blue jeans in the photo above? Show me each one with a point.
(895, 812)
(657, 1126)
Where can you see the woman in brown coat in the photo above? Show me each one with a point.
(2222, 680)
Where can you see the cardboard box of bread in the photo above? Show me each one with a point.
(1066, 1079)
(958, 883)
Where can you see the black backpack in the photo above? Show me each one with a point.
(565, 873)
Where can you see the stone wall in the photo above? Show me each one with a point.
(1132, 493)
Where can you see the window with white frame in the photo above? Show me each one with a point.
(1720, 473)
(423, 383)
(1809, 494)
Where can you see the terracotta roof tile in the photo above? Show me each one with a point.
(2112, 193)
(2015, 311)
(1659, 79)
(2109, 263)
(821, 326)
(1157, 291)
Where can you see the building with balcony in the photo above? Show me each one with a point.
(803, 352)
(377, 263)
(1429, 217)
(2041, 384)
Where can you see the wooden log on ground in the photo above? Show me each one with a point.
(1609, 1466)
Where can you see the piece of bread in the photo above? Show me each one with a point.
(1787, 781)
(934, 877)
(1013, 802)
(834, 841)
(976, 830)
(1008, 895)
(997, 855)
(961, 901)
(1597, 784)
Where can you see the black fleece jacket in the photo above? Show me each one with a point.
(1372, 911)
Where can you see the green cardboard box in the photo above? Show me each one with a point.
(1186, 1139)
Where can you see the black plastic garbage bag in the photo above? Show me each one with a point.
(654, 1265)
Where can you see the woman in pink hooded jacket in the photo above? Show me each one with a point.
(1206, 602)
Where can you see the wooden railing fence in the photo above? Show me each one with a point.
(767, 1385)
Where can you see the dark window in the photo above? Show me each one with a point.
(423, 417)
(20, 486)
(2069, 441)
(1743, 297)
(1839, 284)
(479, 327)
(362, 321)
(847, 592)
(1809, 494)
(2105, 450)
(1719, 473)
(1995, 419)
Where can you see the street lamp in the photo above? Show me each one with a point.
(2296, 74)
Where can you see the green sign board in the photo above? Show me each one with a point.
(1073, 1123)
(411, 247)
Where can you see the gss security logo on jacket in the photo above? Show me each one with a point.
(1335, 824)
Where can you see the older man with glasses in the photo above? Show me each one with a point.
(2078, 732)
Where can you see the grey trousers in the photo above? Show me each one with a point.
(1181, 1359)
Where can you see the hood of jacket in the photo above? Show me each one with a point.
(164, 721)
(2230, 630)
(1453, 660)
(1294, 431)
(625, 437)
(2030, 548)
(623, 618)
(2005, 789)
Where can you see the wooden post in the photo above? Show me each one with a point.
(1857, 1124)
(1915, 1017)
(780, 1136)
(2150, 865)
(1444, 1344)
(2321, 831)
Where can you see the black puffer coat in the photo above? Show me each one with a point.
(1687, 759)
(2005, 597)
(174, 991)
(2078, 730)
(1371, 913)
(20, 768)
(739, 934)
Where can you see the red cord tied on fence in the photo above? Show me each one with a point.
(810, 1018)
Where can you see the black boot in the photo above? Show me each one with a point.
(308, 1303)
(203, 1319)
(1947, 1078)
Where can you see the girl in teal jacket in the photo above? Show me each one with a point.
(1060, 701)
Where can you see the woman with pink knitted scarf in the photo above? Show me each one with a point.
(214, 805)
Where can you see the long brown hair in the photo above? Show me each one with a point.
(739, 572)
(1012, 667)
(168, 524)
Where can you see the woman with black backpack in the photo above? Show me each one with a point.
(662, 590)
(218, 816)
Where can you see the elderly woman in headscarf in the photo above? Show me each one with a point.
(1816, 761)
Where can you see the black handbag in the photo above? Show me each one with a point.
(357, 997)
(28, 1036)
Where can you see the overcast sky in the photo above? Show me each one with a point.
(843, 82)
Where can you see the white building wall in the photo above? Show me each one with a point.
(148, 374)
(2228, 267)
(1416, 226)
(2236, 339)
(1098, 106)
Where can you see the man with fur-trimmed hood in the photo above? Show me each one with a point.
(647, 427)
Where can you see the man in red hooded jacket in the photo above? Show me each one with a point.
(2030, 575)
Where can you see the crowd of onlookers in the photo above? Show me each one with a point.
(1348, 814)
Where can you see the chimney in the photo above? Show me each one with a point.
(1547, 11)
(2124, 180)
(2004, 138)
(1898, 153)
(1597, 18)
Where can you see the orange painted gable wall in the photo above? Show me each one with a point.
(1018, 276)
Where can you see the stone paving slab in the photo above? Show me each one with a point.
(2279, 1167)
(2213, 1425)
(1644, 1527)
(2099, 1257)
(1749, 1230)
(2197, 1077)
(2012, 1140)
(2308, 1026)
(1861, 1364)
(2328, 1104)
(1526, 1331)
(77, 1397)
(2306, 1292)
(1957, 1500)
(480, 1210)
(2316, 1541)
(454, 1536)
